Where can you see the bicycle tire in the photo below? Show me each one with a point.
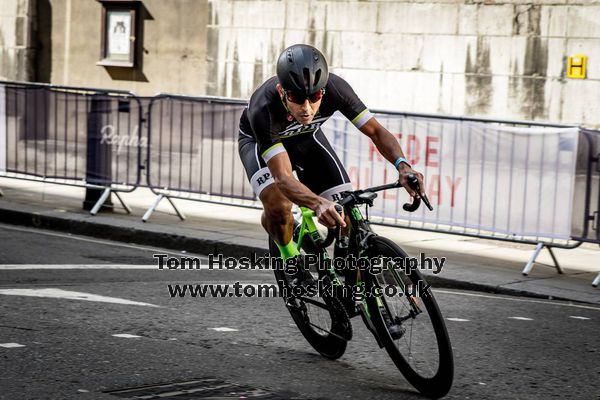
(331, 341)
(437, 383)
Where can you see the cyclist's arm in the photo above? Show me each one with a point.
(281, 170)
(390, 149)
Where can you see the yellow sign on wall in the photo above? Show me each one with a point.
(576, 67)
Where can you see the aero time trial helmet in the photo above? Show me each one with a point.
(302, 70)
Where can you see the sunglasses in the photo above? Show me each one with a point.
(301, 98)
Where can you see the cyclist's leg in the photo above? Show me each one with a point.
(277, 218)
(323, 173)
(277, 214)
(316, 165)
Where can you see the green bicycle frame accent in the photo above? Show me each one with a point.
(356, 213)
(307, 225)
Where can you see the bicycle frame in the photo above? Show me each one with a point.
(382, 315)
(308, 226)
(360, 232)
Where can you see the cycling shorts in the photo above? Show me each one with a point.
(314, 161)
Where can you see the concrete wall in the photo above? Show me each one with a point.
(172, 58)
(17, 18)
(504, 59)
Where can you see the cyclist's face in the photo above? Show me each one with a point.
(303, 113)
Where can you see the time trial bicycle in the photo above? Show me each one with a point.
(405, 321)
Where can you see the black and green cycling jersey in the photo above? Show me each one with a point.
(266, 117)
(266, 130)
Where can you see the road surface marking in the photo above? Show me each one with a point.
(69, 295)
(18, 267)
(126, 335)
(521, 318)
(457, 319)
(578, 317)
(458, 293)
(98, 241)
(223, 329)
(486, 296)
(11, 267)
(11, 345)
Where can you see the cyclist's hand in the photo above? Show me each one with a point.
(328, 215)
(404, 170)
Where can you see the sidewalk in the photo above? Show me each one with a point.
(474, 264)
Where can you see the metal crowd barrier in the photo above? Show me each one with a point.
(591, 184)
(186, 147)
(535, 167)
(192, 151)
(72, 136)
(192, 154)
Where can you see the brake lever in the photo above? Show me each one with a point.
(339, 208)
(332, 233)
(427, 203)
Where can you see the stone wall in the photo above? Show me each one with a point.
(171, 58)
(501, 59)
(17, 18)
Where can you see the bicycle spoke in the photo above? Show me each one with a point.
(418, 345)
(315, 303)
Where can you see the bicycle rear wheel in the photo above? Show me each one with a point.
(423, 352)
(323, 321)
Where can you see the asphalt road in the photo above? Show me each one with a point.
(53, 347)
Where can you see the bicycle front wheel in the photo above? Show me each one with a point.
(411, 328)
(322, 320)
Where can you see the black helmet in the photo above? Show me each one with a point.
(302, 69)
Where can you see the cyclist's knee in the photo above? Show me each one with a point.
(279, 213)
(277, 207)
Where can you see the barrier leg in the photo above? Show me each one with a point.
(100, 201)
(1, 193)
(152, 207)
(558, 268)
(596, 281)
(125, 206)
(529, 265)
(179, 213)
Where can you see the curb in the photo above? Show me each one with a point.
(147, 237)
(101, 230)
(446, 283)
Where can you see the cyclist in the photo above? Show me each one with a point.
(280, 133)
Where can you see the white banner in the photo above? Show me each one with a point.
(510, 180)
(2, 128)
